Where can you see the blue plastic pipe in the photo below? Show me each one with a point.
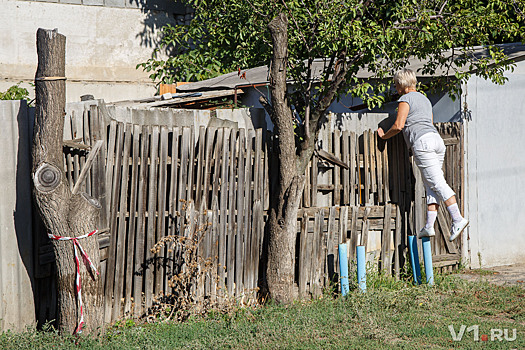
(414, 259)
(427, 257)
(343, 269)
(361, 267)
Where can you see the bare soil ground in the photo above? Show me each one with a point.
(500, 275)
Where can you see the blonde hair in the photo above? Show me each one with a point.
(405, 78)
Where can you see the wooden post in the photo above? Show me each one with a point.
(64, 213)
(386, 261)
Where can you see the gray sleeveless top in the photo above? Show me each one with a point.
(419, 120)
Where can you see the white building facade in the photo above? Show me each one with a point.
(105, 40)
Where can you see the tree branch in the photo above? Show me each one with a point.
(410, 28)
(325, 99)
(308, 99)
(255, 9)
(267, 107)
(297, 26)
(442, 7)
(415, 19)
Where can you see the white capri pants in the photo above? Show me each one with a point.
(429, 153)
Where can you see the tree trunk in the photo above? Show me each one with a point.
(64, 214)
(286, 191)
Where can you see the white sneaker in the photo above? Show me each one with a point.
(426, 232)
(457, 228)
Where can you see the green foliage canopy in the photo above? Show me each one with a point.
(379, 35)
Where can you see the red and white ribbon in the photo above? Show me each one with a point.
(87, 262)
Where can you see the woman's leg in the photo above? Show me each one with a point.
(431, 218)
(429, 153)
(430, 162)
(432, 207)
(450, 201)
(429, 159)
(459, 223)
(453, 209)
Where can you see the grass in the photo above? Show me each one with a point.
(390, 315)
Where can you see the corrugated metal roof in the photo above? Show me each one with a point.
(259, 75)
(184, 100)
(17, 308)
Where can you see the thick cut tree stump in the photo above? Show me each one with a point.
(64, 214)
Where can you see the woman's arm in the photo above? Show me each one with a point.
(399, 124)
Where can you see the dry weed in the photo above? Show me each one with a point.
(186, 297)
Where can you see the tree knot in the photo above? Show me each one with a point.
(47, 177)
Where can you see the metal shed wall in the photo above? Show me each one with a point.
(17, 309)
(495, 174)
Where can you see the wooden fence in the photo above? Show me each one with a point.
(154, 176)
(366, 182)
(322, 229)
(157, 171)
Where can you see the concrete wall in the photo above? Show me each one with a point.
(105, 40)
(17, 308)
(495, 175)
